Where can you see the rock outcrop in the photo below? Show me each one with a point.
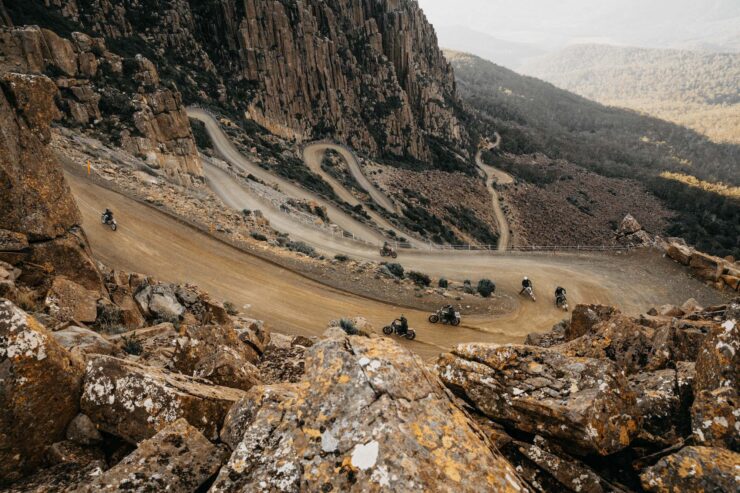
(694, 469)
(121, 97)
(135, 402)
(367, 73)
(40, 384)
(585, 404)
(368, 417)
(722, 273)
(178, 458)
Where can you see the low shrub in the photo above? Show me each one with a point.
(230, 308)
(258, 236)
(348, 326)
(396, 269)
(341, 258)
(468, 287)
(132, 344)
(419, 278)
(486, 288)
(443, 283)
(301, 247)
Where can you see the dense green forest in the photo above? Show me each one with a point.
(534, 116)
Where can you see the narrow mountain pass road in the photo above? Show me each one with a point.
(494, 176)
(223, 145)
(155, 244)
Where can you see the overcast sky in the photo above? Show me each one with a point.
(709, 24)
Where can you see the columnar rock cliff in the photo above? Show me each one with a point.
(122, 97)
(366, 72)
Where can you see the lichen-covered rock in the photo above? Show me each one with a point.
(36, 198)
(706, 267)
(664, 410)
(718, 361)
(546, 471)
(229, 368)
(715, 418)
(553, 337)
(368, 417)
(134, 402)
(585, 404)
(39, 391)
(68, 255)
(84, 341)
(585, 317)
(159, 303)
(694, 469)
(629, 226)
(197, 342)
(178, 459)
(619, 339)
(67, 300)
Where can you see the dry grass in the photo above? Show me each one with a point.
(692, 181)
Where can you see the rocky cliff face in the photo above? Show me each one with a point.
(119, 96)
(363, 71)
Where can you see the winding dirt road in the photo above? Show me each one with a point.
(155, 244)
(496, 176)
(232, 155)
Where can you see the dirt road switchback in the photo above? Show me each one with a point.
(155, 244)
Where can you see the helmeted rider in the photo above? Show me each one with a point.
(560, 292)
(449, 312)
(386, 247)
(107, 216)
(526, 283)
(403, 325)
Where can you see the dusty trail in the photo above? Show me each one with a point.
(494, 176)
(155, 244)
(224, 146)
(314, 153)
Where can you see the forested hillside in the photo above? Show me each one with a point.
(698, 90)
(535, 117)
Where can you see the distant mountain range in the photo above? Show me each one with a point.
(697, 90)
(506, 53)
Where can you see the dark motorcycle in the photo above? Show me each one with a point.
(444, 317)
(388, 252)
(561, 302)
(109, 221)
(396, 328)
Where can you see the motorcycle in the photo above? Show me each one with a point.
(530, 292)
(395, 327)
(109, 222)
(441, 316)
(389, 252)
(562, 302)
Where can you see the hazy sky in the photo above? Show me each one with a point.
(711, 24)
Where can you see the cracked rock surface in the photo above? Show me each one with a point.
(367, 417)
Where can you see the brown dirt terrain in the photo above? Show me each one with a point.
(571, 206)
(155, 244)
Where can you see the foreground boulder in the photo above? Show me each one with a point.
(368, 417)
(39, 391)
(178, 459)
(585, 404)
(134, 402)
(694, 469)
(84, 341)
(715, 418)
(67, 300)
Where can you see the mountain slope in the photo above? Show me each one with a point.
(367, 73)
(535, 117)
(697, 90)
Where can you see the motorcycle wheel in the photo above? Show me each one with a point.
(411, 335)
(455, 322)
(434, 319)
(394, 255)
(113, 226)
(387, 330)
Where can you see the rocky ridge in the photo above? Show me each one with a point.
(367, 73)
(121, 98)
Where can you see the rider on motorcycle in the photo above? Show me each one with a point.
(559, 292)
(403, 325)
(107, 216)
(449, 313)
(526, 283)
